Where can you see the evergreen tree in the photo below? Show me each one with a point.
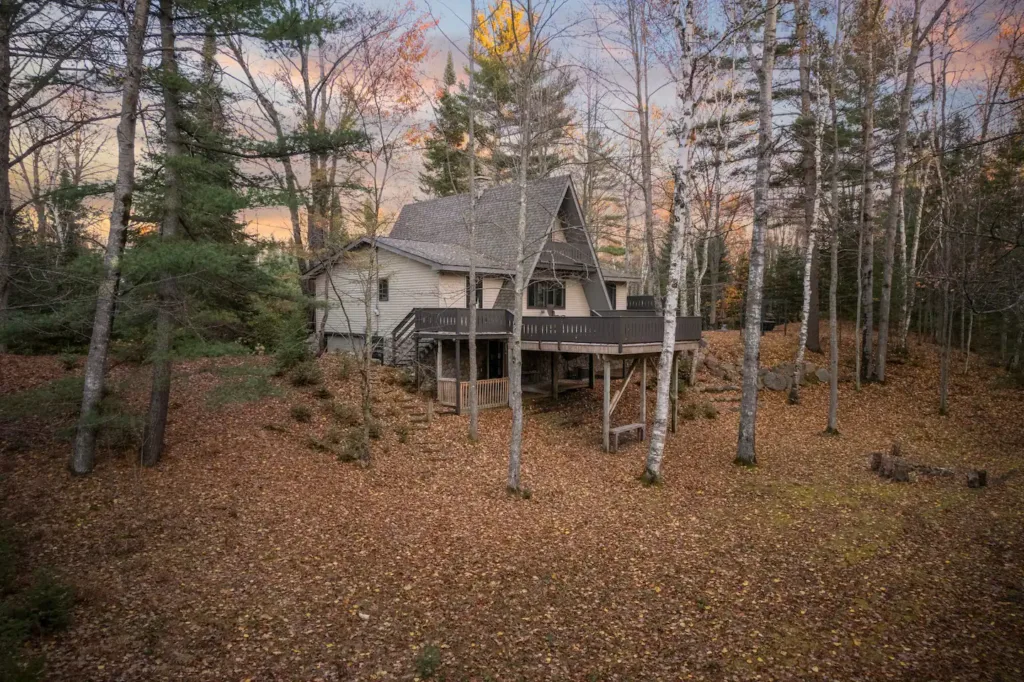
(446, 163)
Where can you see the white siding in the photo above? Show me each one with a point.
(451, 290)
(621, 292)
(492, 285)
(410, 285)
(575, 302)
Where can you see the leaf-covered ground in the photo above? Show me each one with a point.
(247, 554)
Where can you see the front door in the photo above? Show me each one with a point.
(495, 359)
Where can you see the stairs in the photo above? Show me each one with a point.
(403, 344)
(419, 416)
(726, 396)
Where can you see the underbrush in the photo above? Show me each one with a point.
(30, 608)
(28, 418)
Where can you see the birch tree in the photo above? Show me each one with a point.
(682, 12)
(84, 452)
(896, 191)
(474, 402)
(746, 453)
(832, 427)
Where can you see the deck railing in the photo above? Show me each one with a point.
(490, 392)
(617, 330)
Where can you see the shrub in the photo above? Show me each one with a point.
(301, 413)
(375, 430)
(68, 361)
(333, 436)
(710, 411)
(354, 448)
(346, 364)
(688, 411)
(288, 356)
(306, 374)
(403, 432)
(345, 414)
(428, 661)
(323, 393)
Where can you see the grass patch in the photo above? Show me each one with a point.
(345, 414)
(301, 414)
(306, 373)
(428, 660)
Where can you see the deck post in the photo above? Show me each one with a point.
(643, 391)
(416, 358)
(590, 371)
(440, 367)
(458, 377)
(674, 391)
(554, 375)
(606, 425)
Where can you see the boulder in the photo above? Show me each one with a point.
(776, 382)
(822, 375)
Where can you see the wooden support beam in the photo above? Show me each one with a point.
(590, 370)
(458, 376)
(606, 424)
(643, 391)
(440, 368)
(625, 384)
(673, 391)
(416, 358)
(554, 374)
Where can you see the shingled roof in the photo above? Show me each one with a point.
(446, 220)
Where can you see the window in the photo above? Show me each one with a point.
(611, 293)
(546, 295)
(479, 292)
(382, 290)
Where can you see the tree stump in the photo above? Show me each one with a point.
(977, 478)
(890, 467)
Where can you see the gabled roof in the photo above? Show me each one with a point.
(446, 220)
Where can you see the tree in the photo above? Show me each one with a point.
(84, 452)
(683, 14)
(446, 156)
(746, 451)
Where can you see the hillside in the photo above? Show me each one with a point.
(251, 552)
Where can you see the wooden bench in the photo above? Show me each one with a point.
(639, 429)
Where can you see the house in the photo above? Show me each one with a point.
(417, 292)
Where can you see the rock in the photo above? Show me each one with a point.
(822, 375)
(977, 478)
(775, 381)
(711, 362)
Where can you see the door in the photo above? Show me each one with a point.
(495, 359)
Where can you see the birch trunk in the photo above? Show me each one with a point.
(746, 446)
(867, 239)
(910, 272)
(896, 192)
(810, 140)
(515, 355)
(809, 260)
(83, 456)
(682, 12)
(160, 392)
(474, 402)
(833, 281)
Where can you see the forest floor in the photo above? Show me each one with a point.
(247, 554)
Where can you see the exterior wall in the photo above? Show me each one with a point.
(621, 292)
(410, 285)
(576, 304)
(451, 291)
(492, 285)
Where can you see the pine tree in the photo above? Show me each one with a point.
(446, 162)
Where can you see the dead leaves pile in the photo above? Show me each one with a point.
(247, 554)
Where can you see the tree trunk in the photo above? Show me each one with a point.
(84, 453)
(809, 259)
(746, 450)
(810, 180)
(8, 14)
(682, 12)
(474, 409)
(833, 281)
(160, 392)
(867, 254)
(515, 364)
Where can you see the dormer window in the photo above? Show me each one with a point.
(543, 295)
